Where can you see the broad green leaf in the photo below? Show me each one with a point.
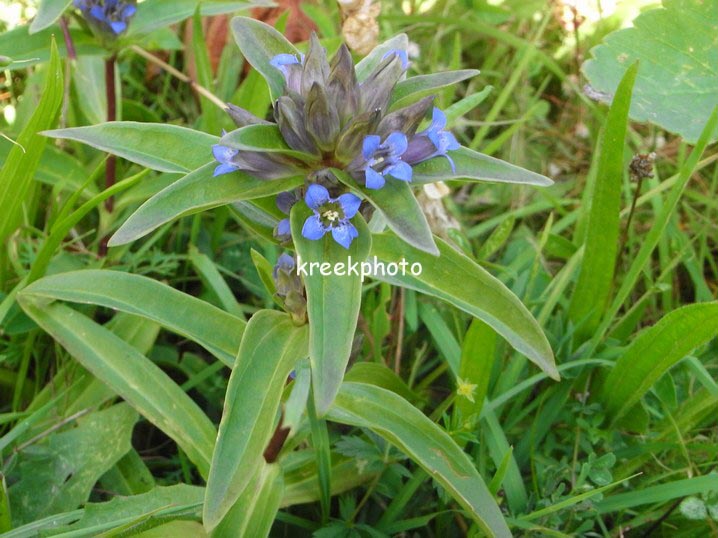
(412, 89)
(467, 104)
(18, 170)
(397, 203)
(654, 351)
(262, 137)
(677, 86)
(333, 303)
(259, 43)
(461, 282)
(403, 425)
(153, 14)
(88, 79)
(151, 508)
(29, 49)
(254, 512)
(595, 278)
(66, 465)
(216, 330)
(47, 13)
(270, 348)
(195, 192)
(375, 57)
(163, 147)
(131, 375)
(474, 166)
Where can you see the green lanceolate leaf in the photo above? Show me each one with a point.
(131, 375)
(477, 360)
(461, 282)
(654, 351)
(259, 43)
(333, 302)
(403, 425)
(254, 512)
(375, 57)
(474, 166)
(397, 203)
(678, 84)
(412, 89)
(48, 12)
(601, 245)
(262, 137)
(195, 192)
(18, 170)
(270, 348)
(30, 49)
(163, 147)
(216, 330)
(153, 14)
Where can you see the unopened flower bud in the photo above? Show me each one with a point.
(322, 118)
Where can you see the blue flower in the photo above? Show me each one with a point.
(434, 141)
(109, 15)
(384, 158)
(330, 214)
(291, 67)
(224, 156)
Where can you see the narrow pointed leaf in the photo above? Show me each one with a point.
(375, 57)
(214, 329)
(18, 170)
(595, 279)
(474, 166)
(47, 13)
(403, 425)
(460, 281)
(654, 351)
(332, 304)
(262, 137)
(397, 203)
(412, 89)
(259, 43)
(131, 375)
(195, 192)
(270, 348)
(163, 147)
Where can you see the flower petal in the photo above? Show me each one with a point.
(402, 54)
(313, 228)
(224, 168)
(316, 196)
(118, 26)
(438, 119)
(400, 170)
(223, 154)
(280, 60)
(344, 234)
(349, 204)
(374, 180)
(396, 143)
(370, 145)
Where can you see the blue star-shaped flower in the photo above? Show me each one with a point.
(330, 215)
(224, 156)
(384, 158)
(434, 141)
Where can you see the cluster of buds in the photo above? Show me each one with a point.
(338, 122)
(107, 17)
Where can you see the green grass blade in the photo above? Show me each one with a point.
(18, 171)
(595, 279)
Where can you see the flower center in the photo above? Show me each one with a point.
(331, 215)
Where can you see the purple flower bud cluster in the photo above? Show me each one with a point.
(109, 17)
(336, 121)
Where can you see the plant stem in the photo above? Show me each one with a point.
(204, 92)
(111, 116)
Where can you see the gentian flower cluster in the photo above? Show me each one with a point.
(335, 121)
(108, 17)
